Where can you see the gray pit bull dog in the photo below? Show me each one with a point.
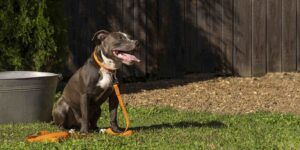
(91, 85)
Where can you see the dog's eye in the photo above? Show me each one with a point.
(121, 38)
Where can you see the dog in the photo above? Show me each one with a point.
(91, 85)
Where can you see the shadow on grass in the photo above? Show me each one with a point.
(182, 124)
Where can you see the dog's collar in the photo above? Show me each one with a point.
(101, 64)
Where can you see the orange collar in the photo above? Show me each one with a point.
(100, 64)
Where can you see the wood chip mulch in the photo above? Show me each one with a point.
(274, 92)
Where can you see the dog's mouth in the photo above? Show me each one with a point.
(126, 57)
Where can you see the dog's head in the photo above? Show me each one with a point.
(117, 46)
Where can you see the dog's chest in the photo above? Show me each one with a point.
(105, 80)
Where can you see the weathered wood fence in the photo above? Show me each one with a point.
(242, 37)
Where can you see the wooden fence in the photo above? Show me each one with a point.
(242, 37)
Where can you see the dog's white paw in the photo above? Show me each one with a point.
(102, 131)
(72, 131)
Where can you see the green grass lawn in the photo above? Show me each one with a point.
(165, 128)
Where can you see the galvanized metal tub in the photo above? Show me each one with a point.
(26, 96)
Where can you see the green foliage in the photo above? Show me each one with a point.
(56, 13)
(165, 128)
(26, 36)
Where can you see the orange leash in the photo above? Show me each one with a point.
(117, 91)
(126, 132)
(46, 136)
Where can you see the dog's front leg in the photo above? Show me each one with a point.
(113, 107)
(84, 99)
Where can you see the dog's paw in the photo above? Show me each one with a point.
(72, 131)
(84, 130)
(102, 131)
(116, 129)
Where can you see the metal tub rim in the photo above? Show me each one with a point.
(15, 75)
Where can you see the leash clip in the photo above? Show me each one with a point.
(115, 79)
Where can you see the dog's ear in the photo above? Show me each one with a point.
(100, 35)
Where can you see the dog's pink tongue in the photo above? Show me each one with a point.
(128, 57)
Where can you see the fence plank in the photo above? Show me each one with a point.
(289, 36)
(140, 35)
(73, 24)
(174, 34)
(114, 18)
(169, 38)
(227, 36)
(201, 56)
(298, 35)
(259, 37)
(163, 57)
(213, 56)
(81, 33)
(182, 30)
(152, 37)
(190, 33)
(274, 35)
(242, 37)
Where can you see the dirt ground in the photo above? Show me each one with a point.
(274, 92)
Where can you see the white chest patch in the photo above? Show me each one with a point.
(106, 80)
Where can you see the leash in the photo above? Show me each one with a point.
(126, 132)
(46, 136)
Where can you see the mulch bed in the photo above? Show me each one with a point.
(274, 92)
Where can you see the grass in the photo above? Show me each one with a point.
(165, 128)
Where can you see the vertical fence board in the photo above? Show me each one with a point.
(214, 55)
(289, 36)
(169, 38)
(73, 24)
(227, 36)
(178, 42)
(82, 34)
(163, 58)
(115, 18)
(190, 33)
(175, 51)
(274, 35)
(259, 44)
(140, 35)
(200, 53)
(152, 36)
(82, 16)
(163, 41)
(100, 15)
(242, 37)
(182, 30)
(298, 35)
